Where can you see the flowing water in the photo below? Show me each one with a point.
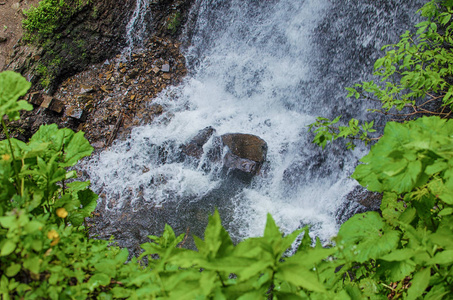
(136, 29)
(267, 68)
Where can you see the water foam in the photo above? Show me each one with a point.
(256, 67)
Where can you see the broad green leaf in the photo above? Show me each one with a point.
(395, 270)
(107, 266)
(12, 270)
(442, 258)
(77, 148)
(76, 218)
(13, 86)
(308, 259)
(89, 200)
(33, 264)
(76, 186)
(99, 279)
(298, 276)
(399, 255)
(7, 248)
(365, 236)
(287, 296)
(8, 221)
(419, 284)
(251, 296)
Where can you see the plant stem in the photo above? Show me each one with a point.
(5, 131)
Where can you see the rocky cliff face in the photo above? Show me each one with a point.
(95, 33)
(79, 55)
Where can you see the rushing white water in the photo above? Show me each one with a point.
(136, 28)
(267, 68)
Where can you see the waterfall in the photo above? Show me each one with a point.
(267, 68)
(136, 28)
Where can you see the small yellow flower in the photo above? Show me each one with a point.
(61, 212)
(6, 157)
(53, 234)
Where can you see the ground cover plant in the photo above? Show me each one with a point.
(404, 253)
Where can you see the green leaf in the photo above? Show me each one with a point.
(271, 230)
(217, 239)
(419, 284)
(88, 199)
(77, 148)
(8, 247)
(395, 270)
(12, 270)
(33, 264)
(442, 258)
(99, 279)
(365, 236)
(293, 274)
(305, 244)
(399, 254)
(76, 218)
(13, 86)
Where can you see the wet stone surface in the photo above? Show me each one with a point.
(109, 98)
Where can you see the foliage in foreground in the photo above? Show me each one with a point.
(415, 78)
(407, 251)
(45, 253)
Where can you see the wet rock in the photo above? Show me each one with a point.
(57, 106)
(35, 98)
(76, 113)
(156, 109)
(358, 201)
(195, 147)
(236, 163)
(246, 146)
(84, 98)
(87, 89)
(370, 200)
(47, 100)
(134, 73)
(246, 154)
(98, 145)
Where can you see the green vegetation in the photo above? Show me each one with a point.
(174, 22)
(42, 22)
(405, 252)
(414, 73)
(44, 25)
(46, 254)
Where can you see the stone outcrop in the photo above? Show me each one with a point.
(95, 33)
(359, 200)
(246, 152)
(244, 156)
(195, 146)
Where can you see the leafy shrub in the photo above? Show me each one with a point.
(407, 251)
(43, 21)
(414, 73)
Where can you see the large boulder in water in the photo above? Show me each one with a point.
(194, 147)
(246, 154)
